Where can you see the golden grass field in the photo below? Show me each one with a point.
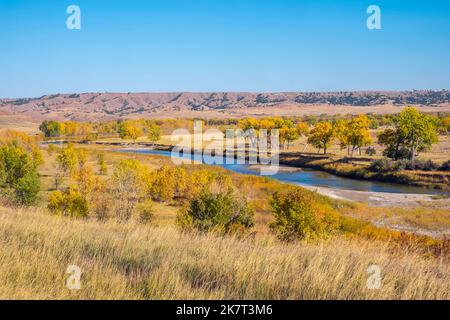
(132, 261)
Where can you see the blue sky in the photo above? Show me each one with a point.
(222, 45)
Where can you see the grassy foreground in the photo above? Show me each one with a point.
(132, 261)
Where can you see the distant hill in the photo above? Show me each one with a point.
(96, 106)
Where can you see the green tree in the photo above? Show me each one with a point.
(51, 128)
(18, 173)
(223, 212)
(393, 140)
(414, 132)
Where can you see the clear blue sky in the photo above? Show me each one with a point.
(222, 45)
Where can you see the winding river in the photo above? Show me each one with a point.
(311, 178)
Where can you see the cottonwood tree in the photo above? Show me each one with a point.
(129, 131)
(353, 134)
(321, 136)
(50, 128)
(18, 173)
(414, 132)
(153, 133)
(67, 159)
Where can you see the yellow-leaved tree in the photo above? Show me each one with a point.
(321, 136)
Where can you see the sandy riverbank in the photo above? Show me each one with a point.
(382, 199)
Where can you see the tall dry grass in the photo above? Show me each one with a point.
(131, 261)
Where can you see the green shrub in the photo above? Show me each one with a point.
(27, 189)
(425, 165)
(371, 151)
(223, 212)
(445, 166)
(382, 165)
(18, 174)
(298, 215)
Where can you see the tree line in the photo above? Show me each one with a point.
(408, 133)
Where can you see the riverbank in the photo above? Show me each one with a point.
(352, 168)
(298, 176)
(358, 168)
(421, 213)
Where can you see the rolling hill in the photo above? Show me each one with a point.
(98, 106)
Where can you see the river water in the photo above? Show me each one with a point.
(306, 177)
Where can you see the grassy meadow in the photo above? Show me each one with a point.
(131, 261)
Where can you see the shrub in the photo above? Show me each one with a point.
(102, 164)
(207, 179)
(425, 165)
(163, 185)
(298, 215)
(27, 189)
(223, 212)
(144, 211)
(385, 165)
(69, 203)
(371, 151)
(382, 165)
(18, 173)
(445, 166)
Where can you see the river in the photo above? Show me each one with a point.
(310, 178)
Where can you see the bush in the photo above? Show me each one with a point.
(445, 166)
(223, 212)
(386, 165)
(164, 183)
(299, 215)
(102, 164)
(382, 165)
(27, 189)
(18, 173)
(69, 203)
(371, 151)
(425, 165)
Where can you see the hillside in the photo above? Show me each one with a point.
(96, 106)
(133, 261)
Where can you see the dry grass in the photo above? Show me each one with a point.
(130, 261)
